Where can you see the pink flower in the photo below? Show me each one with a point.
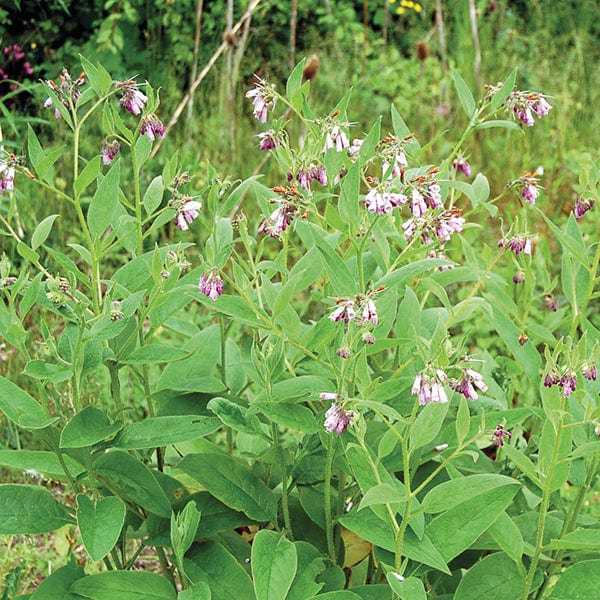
(530, 193)
(337, 418)
(188, 212)
(263, 99)
(461, 165)
(370, 312)
(381, 203)
(132, 100)
(344, 310)
(499, 434)
(152, 127)
(582, 205)
(109, 151)
(568, 382)
(7, 178)
(430, 388)
(269, 140)
(590, 372)
(542, 107)
(417, 203)
(467, 383)
(337, 139)
(211, 284)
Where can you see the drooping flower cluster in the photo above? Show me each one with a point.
(67, 91)
(360, 308)
(211, 284)
(462, 166)
(336, 138)
(291, 204)
(428, 386)
(441, 225)
(187, 209)
(518, 243)
(109, 151)
(567, 377)
(380, 202)
(466, 385)
(132, 99)
(152, 127)
(7, 172)
(337, 418)
(270, 140)
(392, 154)
(263, 99)
(527, 186)
(499, 434)
(306, 175)
(582, 205)
(524, 105)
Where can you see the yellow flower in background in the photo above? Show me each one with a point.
(404, 4)
(399, 10)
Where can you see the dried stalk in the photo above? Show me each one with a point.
(439, 22)
(293, 27)
(209, 65)
(476, 46)
(199, 9)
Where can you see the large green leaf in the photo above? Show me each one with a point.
(370, 527)
(310, 564)
(100, 523)
(104, 205)
(210, 563)
(161, 431)
(57, 585)
(232, 482)
(88, 427)
(274, 562)
(125, 585)
(496, 576)
(30, 509)
(450, 493)
(132, 480)
(580, 581)
(21, 408)
(457, 528)
(39, 461)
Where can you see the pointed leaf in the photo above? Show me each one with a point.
(100, 523)
(125, 585)
(274, 561)
(21, 408)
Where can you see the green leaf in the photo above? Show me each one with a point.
(232, 482)
(496, 576)
(464, 95)
(498, 123)
(401, 129)
(367, 148)
(30, 509)
(580, 581)
(100, 523)
(30, 296)
(57, 585)
(91, 73)
(311, 563)
(348, 206)
(104, 204)
(274, 562)
(40, 369)
(88, 427)
(125, 585)
(183, 529)
(132, 480)
(463, 421)
(235, 416)
(507, 535)
(39, 461)
(87, 175)
(457, 528)
(35, 152)
(370, 527)
(42, 231)
(410, 271)
(337, 595)
(199, 591)
(580, 539)
(154, 354)
(153, 195)
(523, 463)
(451, 493)
(294, 81)
(210, 563)
(410, 588)
(27, 253)
(153, 432)
(427, 424)
(503, 93)
(382, 493)
(290, 416)
(21, 408)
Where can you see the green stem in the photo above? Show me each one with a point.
(138, 202)
(588, 294)
(327, 497)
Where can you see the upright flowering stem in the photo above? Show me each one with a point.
(543, 510)
(331, 441)
(138, 202)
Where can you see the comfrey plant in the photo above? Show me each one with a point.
(349, 389)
